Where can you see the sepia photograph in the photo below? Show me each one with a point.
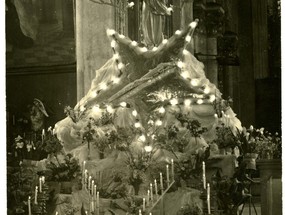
(143, 107)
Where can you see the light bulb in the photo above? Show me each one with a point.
(207, 90)
(194, 82)
(142, 138)
(116, 80)
(199, 101)
(178, 32)
(148, 148)
(135, 113)
(164, 41)
(144, 49)
(137, 125)
(158, 122)
(173, 101)
(212, 98)
(110, 32)
(120, 66)
(110, 109)
(103, 86)
(180, 64)
(123, 104)
(185, 52)
(161, 110)
(154, 48)
(216, 115)
(188, 38)
(185, 74)
(134, 43)
(96, 108)
(187, 102)
(113, 44)
(193, 24)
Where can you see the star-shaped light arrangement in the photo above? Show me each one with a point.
(137, 67)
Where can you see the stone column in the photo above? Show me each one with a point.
(92, 44)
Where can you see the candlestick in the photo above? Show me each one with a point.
(151, 194)
(36, 195)
(92, 188)
(92, 204)
(172, 169)
(167, 175)
(89, 183)
(161, 182)
(143, 204)
(147, 199)
(155, 187)
(208, 198)
(40, 184)
(204, 174)
(29, 206)
(95, 190)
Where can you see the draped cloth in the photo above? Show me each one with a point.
(153, 15)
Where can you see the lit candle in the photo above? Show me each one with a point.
(140, 212)
(92, 188)
(143, 204)
(36, 195)
(151, 193)
(155, 187)
(92, 205)
(95, 190)
(89, 183)
(208, 198)
(150, 213)
(85, 178)
(172, 169)
(29, 206)
(56, 213)
(204, 174)
(40, 184)
(83, 173)
(161, 182)
(43, 179)
(148, 196)
(43, 135)
(167, 175)
(97, 199)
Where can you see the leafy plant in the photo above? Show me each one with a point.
(225, 137)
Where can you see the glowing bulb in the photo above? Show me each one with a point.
(94, 94)
(169, 9)
(194, 82)
(174, 101)
(154, 48)
(216, 115)
(207, 90)
(158, 122)
(137, 125)
(178, 32)
(116, 56)
(110, 109)
(144, 49)
(104, 86)
(212, 98)
(164, 41)
(161, 110)
(185, 52)
(199, 101)
(148, 148)
(185, 74)
(134, 43)
(116, 80)
(113, 44)
(96, 108)
(180, 64)
(135, 113)
(188, 38)
(193, 24)
(142, 138)
(82, 108)
(120, 65)
(187, 102)
(123, 104)
(110, 32)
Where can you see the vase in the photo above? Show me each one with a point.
(250, 160)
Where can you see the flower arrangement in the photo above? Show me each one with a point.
(268, 146)
(224, 137)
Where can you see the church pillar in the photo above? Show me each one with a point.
(92, 44)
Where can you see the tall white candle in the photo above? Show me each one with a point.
(97, 200)
(208, 198)
(92, 204)
(161, 182)
(148, 197)
(40, 184)
(155, 187)
(56, 213)
(204, 174)
(167, 175)
(36, 195)
(143, 204)
(140, 212)
(85, 178)
(43, 179)
(172, 169)
(95, 190)
(151, 193)
(92, 188)
(89, 183)
(43, 135)
(29, 206)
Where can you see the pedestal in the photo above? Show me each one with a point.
(271, 186)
